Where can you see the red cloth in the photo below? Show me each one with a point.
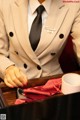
(41, 92)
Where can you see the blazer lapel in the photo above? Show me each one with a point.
(19, 11)
(57, 14)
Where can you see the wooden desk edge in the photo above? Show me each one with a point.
(38, 81)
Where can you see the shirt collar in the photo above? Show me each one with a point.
(33, 4)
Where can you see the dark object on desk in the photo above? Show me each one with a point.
(2, 100)
(68, 60)
(55, 108)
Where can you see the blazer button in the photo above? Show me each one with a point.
(25, 65)
(61, 36)
(53, 54)
(16, 52)
(38, 67)
(8, 56)
(11, 34)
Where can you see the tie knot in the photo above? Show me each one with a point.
(40, 9)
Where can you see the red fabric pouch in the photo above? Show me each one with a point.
(52, 86)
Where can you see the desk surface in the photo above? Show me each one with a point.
(59, 107)
(9, 94)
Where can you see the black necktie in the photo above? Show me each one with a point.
(36, 28)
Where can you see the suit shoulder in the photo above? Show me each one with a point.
(5, 3)
(72, 4)
(74, 7)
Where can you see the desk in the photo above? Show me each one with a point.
(59, 107)
(10, 94)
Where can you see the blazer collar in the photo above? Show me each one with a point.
(20, 20)
(52, 25)
(20, 9)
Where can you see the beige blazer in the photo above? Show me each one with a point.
(15, 47)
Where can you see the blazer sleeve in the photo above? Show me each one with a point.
(4, 46)
(75, 33)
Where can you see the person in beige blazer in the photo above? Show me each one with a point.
(18, 61)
